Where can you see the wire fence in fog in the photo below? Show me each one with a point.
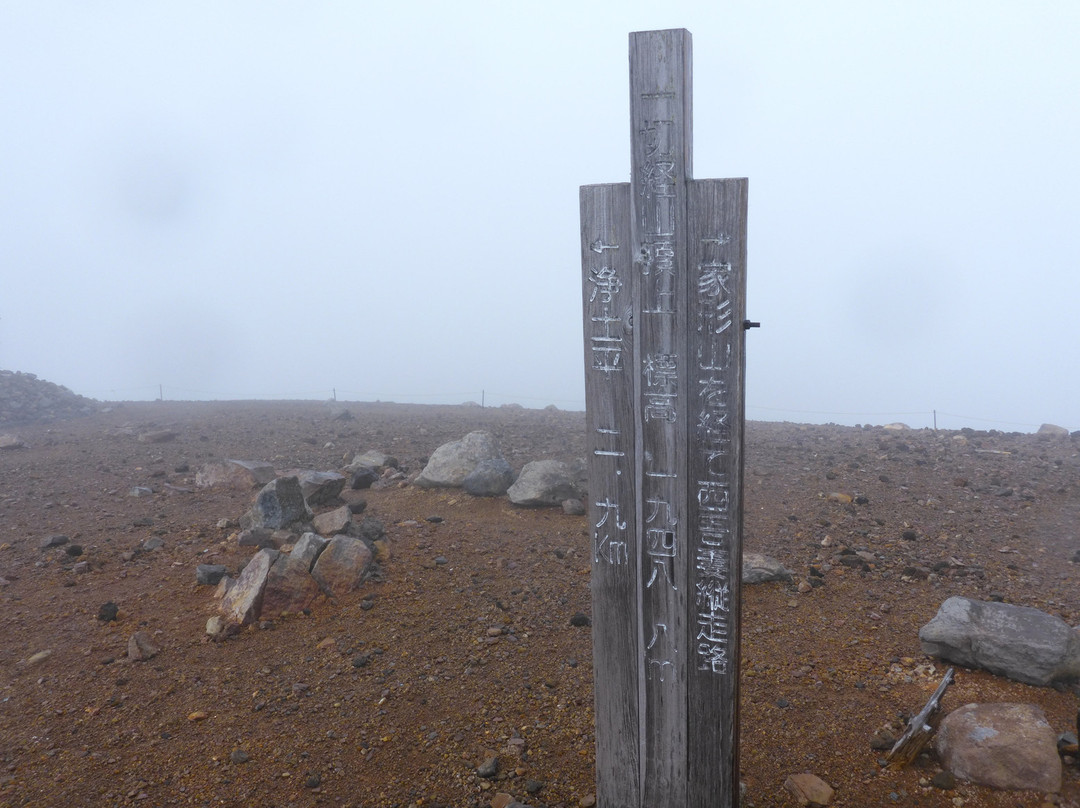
(936, 419)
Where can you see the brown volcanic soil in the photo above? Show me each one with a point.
(87, 727)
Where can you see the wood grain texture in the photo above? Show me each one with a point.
(664, 276)
(661, 134)
(717, 263)
(610, 393)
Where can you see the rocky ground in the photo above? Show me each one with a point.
(463, 650)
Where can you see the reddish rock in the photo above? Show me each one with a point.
(342, 566)
(1006, 746)
(289, 586)
(141, 647)
(809, 789)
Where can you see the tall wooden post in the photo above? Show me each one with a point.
(663, 266)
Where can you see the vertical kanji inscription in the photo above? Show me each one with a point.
(663, 279)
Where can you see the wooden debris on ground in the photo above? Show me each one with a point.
(920, 729)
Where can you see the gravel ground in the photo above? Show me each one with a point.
(463, 650)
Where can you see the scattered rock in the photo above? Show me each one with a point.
(809, 789)
(548, 482)
(1006, 746)
(363, 477)
(371, 529)
(11, 442)
(241, 475)
(210, 574)
(1019, 642)
(1053, 431)
(239, 756)
(141, 647)
(489, 768)
(308, 548)
(342, 566)
(573, 507)
(374, 459)
(56, 540)
(883, 739)
(108, 612)
(490, 478)
(320, 487)
(945, 780)
(289, 585)
(333, 522)
(452, 462)
(279, 503)
(216, 627)
(243, 602)
(39, 657)
(257, 537)
(757, 568)
(580, 620)
(157, 436)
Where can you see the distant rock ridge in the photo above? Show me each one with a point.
(24, 398)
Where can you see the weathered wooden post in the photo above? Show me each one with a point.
(664, 277)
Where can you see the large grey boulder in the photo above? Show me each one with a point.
(243, 601)
(278, 504)
(490, 478)
(1019, 642)
(1007, 746)
(452, 462)
(549, 482)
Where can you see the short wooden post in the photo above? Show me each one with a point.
(663, 266)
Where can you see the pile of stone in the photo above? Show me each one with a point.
(301, 558)
(24, 398)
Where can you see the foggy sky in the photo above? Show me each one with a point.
(250, 199)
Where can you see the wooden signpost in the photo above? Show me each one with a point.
(664, 276)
